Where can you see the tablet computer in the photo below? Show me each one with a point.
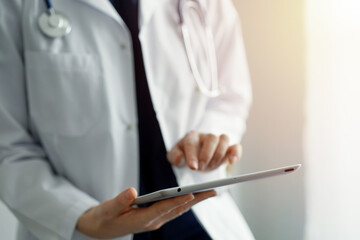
(201, 187)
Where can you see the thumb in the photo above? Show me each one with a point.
(113, 207)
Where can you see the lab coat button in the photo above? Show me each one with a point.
(123, 46)
(129, 127)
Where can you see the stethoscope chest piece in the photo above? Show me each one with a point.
(54, 25)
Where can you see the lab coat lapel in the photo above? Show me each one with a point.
(147, 9)
(106, 7)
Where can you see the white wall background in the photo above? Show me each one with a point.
(273, 35)
(333, 117)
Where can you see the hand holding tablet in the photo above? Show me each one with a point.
(201, 187)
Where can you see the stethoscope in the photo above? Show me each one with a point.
(210, 53)
(54, 25)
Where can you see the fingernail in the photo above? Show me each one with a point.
(214, 194)
(195, 165)
(190, 198)
(186, 198)
(202, 166)
(129, 194)
(214, 164)
(234, 159)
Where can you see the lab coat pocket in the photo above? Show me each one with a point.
(65, 91)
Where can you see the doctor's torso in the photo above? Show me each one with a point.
(80, 93)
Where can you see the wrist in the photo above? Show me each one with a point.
(87, 223)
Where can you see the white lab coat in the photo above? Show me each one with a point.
(68, 118)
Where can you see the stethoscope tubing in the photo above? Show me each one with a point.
(214, 90)
(48, 4)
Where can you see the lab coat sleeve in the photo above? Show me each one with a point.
(228, 112)
(47, 204)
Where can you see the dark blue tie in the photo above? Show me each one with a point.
(155, 170)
